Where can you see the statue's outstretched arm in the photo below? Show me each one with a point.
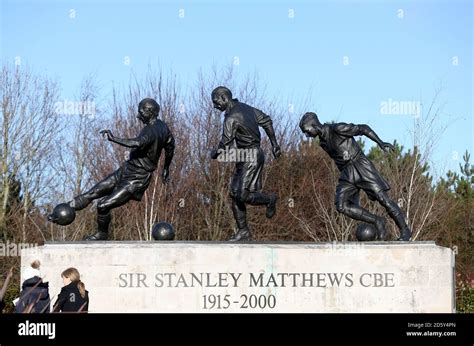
(228, 136)
(127, 142)
(266, 123)
(369, 133)
(362, 130)
(169, 150)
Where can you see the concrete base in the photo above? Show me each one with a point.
(255, 277)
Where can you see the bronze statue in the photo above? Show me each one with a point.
(241, 125)
(357, 172)
(132, 179)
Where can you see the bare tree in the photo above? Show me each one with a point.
(29, 125)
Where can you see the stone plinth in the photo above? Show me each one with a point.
(255, 277)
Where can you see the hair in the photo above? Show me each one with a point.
(309, 117)
(35, 264)
(150, 104)
(73, 275)
(222, 90)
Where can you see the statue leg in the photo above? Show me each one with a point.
(239, 209)
(347, 203)
(116, 199)
(257, 198)
(260, 198)
(101, 189)
(395, 213)
(240, 213)
(252, 185)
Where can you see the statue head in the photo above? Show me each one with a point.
(310, 125)
(148, 109)
(221, 97)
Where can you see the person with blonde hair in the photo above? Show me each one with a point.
(73, 296)
(34, 295)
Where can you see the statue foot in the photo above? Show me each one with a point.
(405, 235)
(381, 229)
(242, 235)
(97, 236)
(271, 207)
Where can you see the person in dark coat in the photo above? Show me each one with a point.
(73, 296)
(34, 295)
(357, 172)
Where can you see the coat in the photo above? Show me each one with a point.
(70, 299)
(34, 291)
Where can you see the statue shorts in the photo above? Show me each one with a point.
(248, 175)
(359, 174)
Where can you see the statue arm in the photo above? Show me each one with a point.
(228, 133)
(142, 140)
(126, 142)
(367, 131)
(351, 130)
(266, 123)
(228, 136)
(169, 151)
